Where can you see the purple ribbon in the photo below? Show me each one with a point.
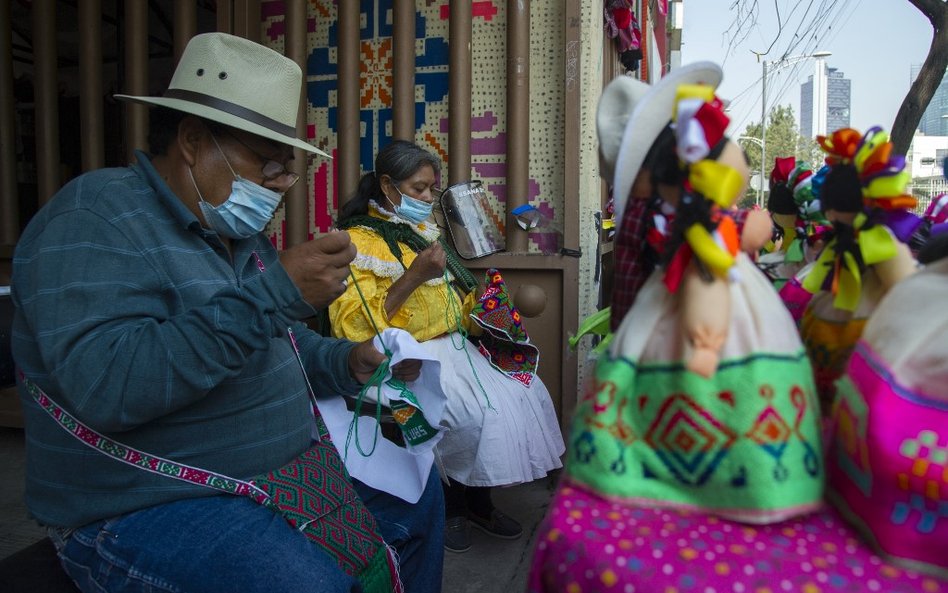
(902, 223)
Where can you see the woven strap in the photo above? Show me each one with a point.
(140, 459)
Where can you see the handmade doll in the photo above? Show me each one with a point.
(887, 464)
(780, 202)
(807, 242)
(862, 258)
(778, 264)
(705, 398)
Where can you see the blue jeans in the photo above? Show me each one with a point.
(230, 543)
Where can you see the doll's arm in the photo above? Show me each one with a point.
(757, 231)
(898, 268)
(705, 317)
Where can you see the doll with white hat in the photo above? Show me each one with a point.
(706, 349)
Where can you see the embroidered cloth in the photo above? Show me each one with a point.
(504, 342)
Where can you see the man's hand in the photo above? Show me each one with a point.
(364, 359)
(319, 267)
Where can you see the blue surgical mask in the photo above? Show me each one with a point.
(411, 209)
(245, 212)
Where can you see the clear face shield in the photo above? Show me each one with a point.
(466, 212)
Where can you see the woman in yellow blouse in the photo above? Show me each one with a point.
(401, 270)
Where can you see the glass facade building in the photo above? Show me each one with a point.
(837, 102)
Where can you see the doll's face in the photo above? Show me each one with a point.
(733, 157)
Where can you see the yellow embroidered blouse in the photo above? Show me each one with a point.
(426, 314)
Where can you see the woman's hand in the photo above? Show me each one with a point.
(364, 359)
(430, 263)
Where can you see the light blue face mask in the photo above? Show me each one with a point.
(245, 212)
(411, 209)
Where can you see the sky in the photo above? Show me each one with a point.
(873, 42)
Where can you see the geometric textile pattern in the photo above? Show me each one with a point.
(743, 444)
(929, 465)
(904, 510)
(590, 544)
(487, 100)
(315, 495)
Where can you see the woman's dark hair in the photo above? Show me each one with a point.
(399, 160)
(163, 128)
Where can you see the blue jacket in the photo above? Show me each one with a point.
(139, 323)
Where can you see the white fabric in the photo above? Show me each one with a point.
(402, 472)
(651, 330)
(909, 327)
(518, 441)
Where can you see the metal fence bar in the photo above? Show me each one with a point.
(459, 92)
(185, 25)
(348, 102)
(46, 101)
(91, 121)
(9, 203)
(297, 199)
(518, 118)
(136, 76)
(403, 70)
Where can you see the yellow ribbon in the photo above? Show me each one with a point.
(876, 245)
(719, 183)
(887, 186)
(868, 147)
(692, 91)
(718, 260)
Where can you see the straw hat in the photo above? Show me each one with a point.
(238, 83)
(631, 115)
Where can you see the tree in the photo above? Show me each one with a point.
(929, 77)
(783, 140)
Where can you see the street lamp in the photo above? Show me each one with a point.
(775, 65)
(760, 186)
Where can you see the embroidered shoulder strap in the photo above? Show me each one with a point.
(140, 459)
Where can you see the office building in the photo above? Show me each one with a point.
(824, 101)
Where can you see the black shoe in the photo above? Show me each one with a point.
(498, 525)
(457, 535)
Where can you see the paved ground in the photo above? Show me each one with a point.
(490, 566)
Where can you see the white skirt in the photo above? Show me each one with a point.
(517, 441)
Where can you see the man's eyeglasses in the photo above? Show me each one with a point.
(272, 170)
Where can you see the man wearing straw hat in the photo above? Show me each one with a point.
(154, 320)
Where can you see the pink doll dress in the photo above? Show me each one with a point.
(888, 461)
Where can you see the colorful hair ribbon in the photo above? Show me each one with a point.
(783, 166)
(875, 245)
(840, 146)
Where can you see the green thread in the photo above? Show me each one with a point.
(460, 329)
(374, 381)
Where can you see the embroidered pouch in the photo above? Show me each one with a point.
(315, 495)
(505, 342)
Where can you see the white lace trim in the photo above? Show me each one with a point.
(387, 269)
